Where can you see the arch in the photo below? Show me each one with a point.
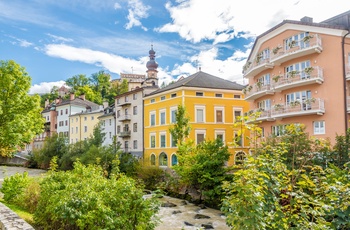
(153, 159)
(173, 159)
(163, 159)
(240, 157)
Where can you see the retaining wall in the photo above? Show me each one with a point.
(11, 221)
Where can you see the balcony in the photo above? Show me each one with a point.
(126, 103)
(347, 72)
(310, 75)
(125, 134)
(348, 104)
(255, 67)
(257, 90)
(124, 118)
(307, 107)
(295, 49)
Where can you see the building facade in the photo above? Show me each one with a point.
(107, 120)
(298, 73)
(212, 104)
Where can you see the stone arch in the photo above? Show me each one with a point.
(240, 157)
(163, 159)
(153, 159)
(173, 159)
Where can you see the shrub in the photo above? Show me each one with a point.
(13, 187)
(85, 199)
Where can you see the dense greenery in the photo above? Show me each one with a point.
(283, 187)
(20, 118)
(181, 129)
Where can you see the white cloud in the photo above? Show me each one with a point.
(137, 11)
(59, 38)
(117, 6)
(45, 87)
(221, 20)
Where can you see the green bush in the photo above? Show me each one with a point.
(152, 177)
(13, 187)
(85, 199)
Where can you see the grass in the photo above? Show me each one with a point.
(25, 215)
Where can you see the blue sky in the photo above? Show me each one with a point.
(55, 40)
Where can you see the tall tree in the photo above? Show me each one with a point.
(181, 128)
(77, 81)
(101, 83)
(20, 113)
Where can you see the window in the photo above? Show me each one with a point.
(153, 141)
(153, 100)
(200, 113)
(319, 127)
(126, 146)
(237, 96)
(153, 119)
(199, 94)
(126, 112)
(239, 158)
(118, 129)
(110, 122)
(85, 129)
(162, 98)
(298, 69)
(172, 141)
(163, 159)
(238, 139)
(118, 101)
(200, 136)
(173, 95)
(134, 110)
(153, 159)
(162, 117)
(126, 128)
(301, 98)
(66, 111)
(85, 118)
(237, 114)
(134, 96)
(118, 113)
(126, 98)
(92, 118)
(110, 135)
(173, 159)
(61, 112)
(76, 119)
(218, 95)
(264, 105)
(135, 144)
(162, 140)
(219, 115)
(173, 115)
(66, 122)
(72, 130)
(278, 130)
(76, 129)
(220, 135)
(263, 80)
(134, 127)
(297, 40)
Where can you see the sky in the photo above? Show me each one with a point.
(55, 40)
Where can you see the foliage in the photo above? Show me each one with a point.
(181, 129)
(20, 117)
(203, 167)
(341, 150)
(84, 199)
(128, 164)
(151, 176)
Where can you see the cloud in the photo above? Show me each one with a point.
(137, 11)
(59, 38)
(45, 87)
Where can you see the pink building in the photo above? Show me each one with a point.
(299, 72)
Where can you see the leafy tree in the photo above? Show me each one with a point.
(116, 89)
(181, 129)
(100, 83)
(85, 199)
(203, 167)
(20, 113)
(341, 152)
(77, 81)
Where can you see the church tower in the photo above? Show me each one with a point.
(152, 65)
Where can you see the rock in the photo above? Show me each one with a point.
(207, 226)
(202, 206)
(176, 212)
(188, 224)
(183, 202)
(201, 216)
(168, 205)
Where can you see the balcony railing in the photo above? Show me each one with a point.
(310, 75)
(298, 48)
(306, 107)
(126, 103)
(299, 78)
(124, 118)
(125, 133)
(256, 66)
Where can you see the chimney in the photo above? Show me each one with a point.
(46, 102)
(105, 104)
(71, 96)
(82, 97)
(306, 19)
(58, 100)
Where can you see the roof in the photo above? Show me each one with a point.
(332, 23)
(79, 102)
(201, 80)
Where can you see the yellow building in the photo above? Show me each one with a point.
(212, 104)
(82, 125)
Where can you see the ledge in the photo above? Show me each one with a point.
(10, 220)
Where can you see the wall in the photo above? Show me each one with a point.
(10, 220)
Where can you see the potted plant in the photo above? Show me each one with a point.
(276, 78)
(294, 103)
(308, 70)
(307, 38)
(259, 84)
(246, 66)
(293, 73)
(276, 49)
(292, 43)
(309, 101)
(278, 107)
(258, 58)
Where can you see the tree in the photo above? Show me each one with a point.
(100, 82)
(20, 113)
(77, 81)
(181, 129)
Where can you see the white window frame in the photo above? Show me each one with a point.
(237, 109)
(220, 132)
(162, 111)
(222, 109)
(172, 109)
(152, 113)
(200, 131)
(198, 107)
(150, 140)
(319, 129)
(160, 139)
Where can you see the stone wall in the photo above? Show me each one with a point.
(11, 221)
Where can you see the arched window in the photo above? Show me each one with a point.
(163, 159)
(239, 158)
(153, 159)
(173, 160)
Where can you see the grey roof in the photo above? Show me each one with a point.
(79, 102)
(201, 80)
